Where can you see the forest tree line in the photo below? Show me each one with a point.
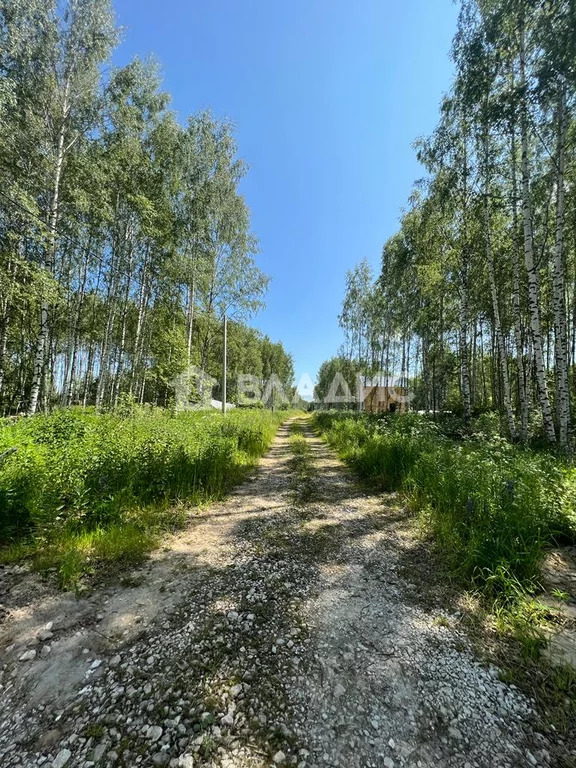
(475, 301)
(123, 236)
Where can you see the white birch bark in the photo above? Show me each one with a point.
(523, 400)
(50, 257)
(533, 279)
(500, 346)
(463, 326)
(559, 288)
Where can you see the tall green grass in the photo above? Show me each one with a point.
(493, 507)
(301, 464)
(87, 487)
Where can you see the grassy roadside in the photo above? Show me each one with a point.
(483, 514)
(493, 507)
(510, 638)
(86, 492)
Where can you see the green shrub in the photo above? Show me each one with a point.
(78, 476)
(493, 507)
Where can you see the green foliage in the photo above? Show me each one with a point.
(301, 464)
(492, 506)
(474, 304)
(382, 449)
(83, 485)
(334, 376)
(123, 235)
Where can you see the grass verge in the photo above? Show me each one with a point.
(83, 489)
(492, 507)
(488, 511)
(301, 464)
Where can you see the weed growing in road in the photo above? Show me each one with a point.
(301, 464)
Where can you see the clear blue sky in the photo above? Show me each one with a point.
(327, 97)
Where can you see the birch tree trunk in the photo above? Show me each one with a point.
(50, 257)
(122, 345)
(533, 280)
(523, 401)
(573, 281)
(111, 301)
(5, 303)
(464, 363)
(89, 373)
(190, 318)
(463, 326)
(70, 388)
(3, 349)
(142, 307)
(105, 347)
(500, 345)
(559, 287)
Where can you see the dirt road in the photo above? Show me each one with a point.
(279, 628)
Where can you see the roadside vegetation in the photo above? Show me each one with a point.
(124, 238)
(472, 307)
(301, 463)
(493, 507)
(471, 314)
(79, 488)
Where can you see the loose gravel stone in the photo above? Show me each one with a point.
(62, 758)
(154, 733)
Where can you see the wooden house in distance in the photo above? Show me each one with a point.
(383, 394)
